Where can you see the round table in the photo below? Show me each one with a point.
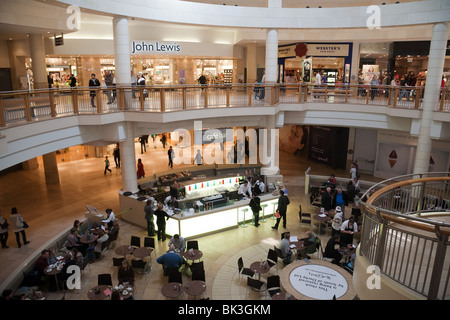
(317, 280)
(318, 217)
(124, 250)
(282, 296)
(197, 255)
(88, 238)
(299, 247)
(142, 252)
(172, 289)
(53, 270)
(126, 291)
(98, 292)
(195, 288)
(259, 267)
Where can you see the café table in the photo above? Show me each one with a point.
(172, 290)
(321, 218)
(126, 290)
(124, 250)
(195, 288)
(260, 267)
(99, 292)
(282, 296)
(317, 280)
(54, 270)
(142, 252)
(196, 254)
(299, 247)
(88, 238)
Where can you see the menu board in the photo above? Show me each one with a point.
(320, 144)
(318, 282)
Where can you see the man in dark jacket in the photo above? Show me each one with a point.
(283, 202)
(327, 199)
(93, 82)
(255, 205)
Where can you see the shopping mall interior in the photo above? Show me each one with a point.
(56, 129)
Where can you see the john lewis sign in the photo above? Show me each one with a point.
(146, 47)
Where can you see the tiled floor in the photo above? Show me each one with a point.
(51, 209)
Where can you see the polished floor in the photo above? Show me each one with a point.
(52, 209)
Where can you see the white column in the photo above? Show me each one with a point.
(122, 55)
(355, 63)
(271, 56)
(37, 50)
(251, 63)
(128, 160)
(431, 97)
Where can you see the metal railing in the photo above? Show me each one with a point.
(49, 103)
(401, 235)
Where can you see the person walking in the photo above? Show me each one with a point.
(18, 224)
(163, 140)
(142, 141)
(107, 165)
(116, 154)
(4, 228)
(171, 155)
(93, 82)
(283, 202)
(140, 169)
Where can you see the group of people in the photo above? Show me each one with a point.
(18, 226)
(161, 218)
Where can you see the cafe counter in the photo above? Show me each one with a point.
(189, 224)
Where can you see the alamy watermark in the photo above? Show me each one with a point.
(374, 20)
(73, 22)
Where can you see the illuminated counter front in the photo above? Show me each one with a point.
(201, 223)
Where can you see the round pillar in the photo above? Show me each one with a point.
(37, 50)
(128, 160)
(431, 96)
(272, 56)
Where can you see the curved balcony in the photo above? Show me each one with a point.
(405, 233)
(43, 104)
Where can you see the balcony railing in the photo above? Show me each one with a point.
(50, 103)
(406, 232)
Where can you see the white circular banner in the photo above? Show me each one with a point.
(318, 282)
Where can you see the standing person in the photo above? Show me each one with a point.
(4, 227)
(142, 142)
(348, 229)
(163, 140)
(17, 221)
(337, 221)
(141, 83)
(318, 81)
(202, 81)
(171, 155)
(140, 169)
(353, 171)
(116, 154)
(373, 91)
(72, 81)
(327, 199)
(283, 202)
(149, 218)
(262, 90)
(133, 83)
(198, 158)
(161, 222)
(109, 79)
(340, 199)
(93, 82)
(107, 165)
(255, 205)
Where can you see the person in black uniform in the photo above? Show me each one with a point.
(161, 222)
(93, 82)
(283, 202)
(255, 205)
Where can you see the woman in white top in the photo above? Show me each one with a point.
(17, 223)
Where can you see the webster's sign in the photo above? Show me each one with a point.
(145, 47)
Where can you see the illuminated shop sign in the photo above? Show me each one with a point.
(138, 47)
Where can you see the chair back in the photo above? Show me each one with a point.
(169, 270)
(175, 276)
(279, 252)
(138, 264)
(254, 283)
(273, 282)
(135, 241)
(117, 262)
(149, 242)
(192, 244)
(198, 275)
(104, 279)
(85, 262)
(197, 266)
(240, 264)
(113, 236)
(272, 256)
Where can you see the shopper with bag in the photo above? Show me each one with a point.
(283, 202)
(19, 226)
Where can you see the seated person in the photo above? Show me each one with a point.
(77, 257)
(246, 189)
(178, 243)
(125, 273)
(114, 229)
(309, 242)
(332, 179)
(110, 217)
(68, 261)
(102, 237)
(72, 240)
(285, 248)
(51, 256)
(340, 199)
(42, 262)
(170, 260)
(330, 250)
